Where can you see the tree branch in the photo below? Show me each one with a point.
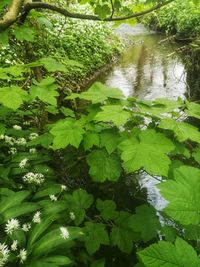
(11, 15)
(14, 10)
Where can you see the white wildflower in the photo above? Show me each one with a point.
(33, 178)
(32, 150)
(17, 127)
(4, 253)
(22, 255)
(23, 163)
(36, 217)
(64, 232)
(26, 227)
(63, 188)
(72, 215)
(20, 141)
(33, 136)
(14, 245)
(53, 198)
(9, 140)
(12, 151)
(11, 225)
(2, 136)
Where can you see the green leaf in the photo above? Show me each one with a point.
(45, 91)
(182, 130)
(54, 238)
(110, 140)
(24, 33)
(113, 113)
(4, 38)
(122, 235)
(12, 97)
(103, 166)
(166, 254)
(79, 201)
(183, 195)
(90, 139)
(196, 154)
(148, 152)
(95, 235)
(52, 65)
(58, 260)
(65, 133)
(146, 222)
(98, 93)
(102, 10)
(19, 210)
(107, 209)
(193, 110)
(45, 140)
(169, 233)
(98, 263)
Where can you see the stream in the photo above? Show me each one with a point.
(150, 68)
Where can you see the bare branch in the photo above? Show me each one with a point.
(11, 15)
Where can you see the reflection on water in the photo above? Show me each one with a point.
(148, 70)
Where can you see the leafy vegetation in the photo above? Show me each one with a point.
(62, 155)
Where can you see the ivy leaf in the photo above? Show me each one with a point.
(122, 235)
(107, 209)
(103, 166)
(109, 139)
(148, 152)
(90, 139)
(182, 130)
(166, 254)
(45, 91)
(95, 235)
(98, 93)
(145, 221)
(183, 195)
(24, 33)
(79, 201)
(65, 133)
(12, 97)
(113, 113)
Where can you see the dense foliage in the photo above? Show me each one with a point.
(62, 155)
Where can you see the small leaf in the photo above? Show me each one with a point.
(107, 209)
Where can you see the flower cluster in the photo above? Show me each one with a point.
(11, 225)
(36, 217)
(13, 141)
(4, 254)
(33, 178)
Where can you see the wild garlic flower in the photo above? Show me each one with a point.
(32, 150)
(14, 245)
(17, 127)
(23, 163)
(53, 198)
(33, 178)
(22, 255)
(26, 227)
(72, 215)
(36, 217)
(20, 141)
(11, 225)
(4, 254)
(32, 136)
(9, 140)
(63, 187)
(2, 136)
(12, 151)
(64, 232)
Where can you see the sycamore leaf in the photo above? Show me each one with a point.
(45, 91)
(53, 65)
(145, 221)
(103, 166)
(24, 33)
(113, 113)
(182, 130)
(12, 97)
(148, 152)
(90, 139)
(193, 110)
(95, 235)
(98, 93)
(107, 209)
(65, 133)
(166, 254)
(109, 139)
(183, 195)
